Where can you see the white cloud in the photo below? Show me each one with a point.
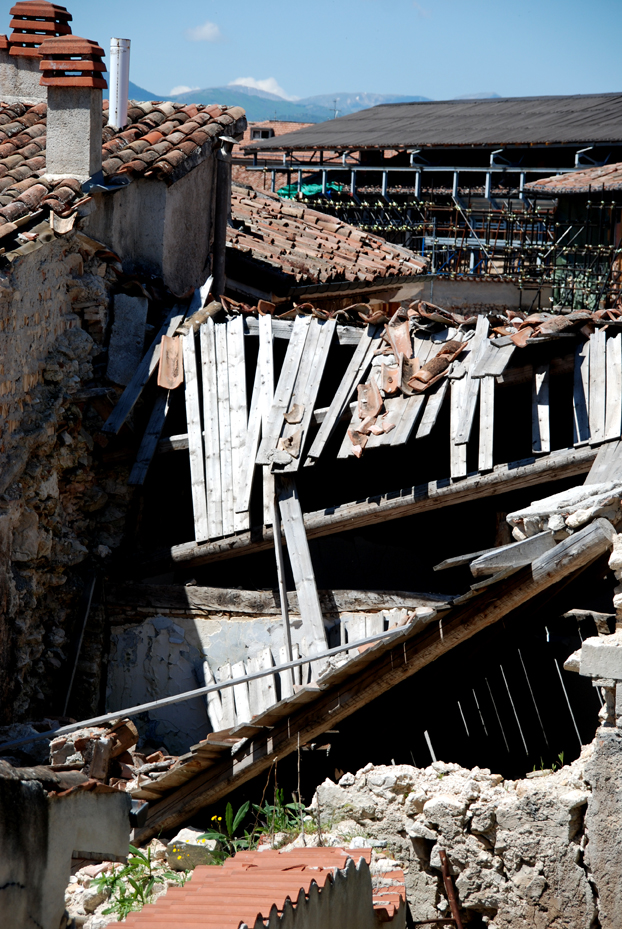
(270, 85)
(182, 89)
(207, 32)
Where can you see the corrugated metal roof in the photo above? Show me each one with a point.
(592, 180)
(588, 118)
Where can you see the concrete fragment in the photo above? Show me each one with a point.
(187, 850)
(128, 336)
(602, 657)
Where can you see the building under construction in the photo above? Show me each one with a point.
(453, 181)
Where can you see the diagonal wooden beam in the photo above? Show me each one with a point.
(376, 671)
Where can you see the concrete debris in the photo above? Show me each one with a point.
(187, 850)
(518, 850)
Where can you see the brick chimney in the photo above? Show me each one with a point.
(73, 73)
(32, 23)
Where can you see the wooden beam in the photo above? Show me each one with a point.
(145, 369)
(394, 505)
(514, 555)
(195, 438)
(175, 597)
(376, 671)
(150, 439)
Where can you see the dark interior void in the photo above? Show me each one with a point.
(501, 700)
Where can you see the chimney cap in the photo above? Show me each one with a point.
(4, 43)
(70, 61)
(33, 22)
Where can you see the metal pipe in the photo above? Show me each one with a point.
(385, 184)
(324, 181)
(273, 184)
(119, 82)
(212, 688)
(488, 185)
(418, 185)
(521, 186)
(299, 183)
(85, 619)
(454, 189)
(353, 183)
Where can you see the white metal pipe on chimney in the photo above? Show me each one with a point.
(119, 83)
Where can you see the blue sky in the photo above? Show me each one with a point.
(435, 48)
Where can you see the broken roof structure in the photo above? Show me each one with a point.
(599, 179)
(284, 251)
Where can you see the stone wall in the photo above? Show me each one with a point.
(60, 505)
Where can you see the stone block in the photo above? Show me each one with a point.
(187, 850)
(602, 657)
(128, 336)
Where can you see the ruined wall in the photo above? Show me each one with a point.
(519, 851)
(159, 229)
(57, 504)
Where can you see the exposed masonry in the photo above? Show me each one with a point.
(56, 505)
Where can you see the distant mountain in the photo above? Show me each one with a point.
(259, 104)
(483, 96)
(139, 93)
(346, 103)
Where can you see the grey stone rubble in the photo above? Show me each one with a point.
(565, 512)
(518, 850)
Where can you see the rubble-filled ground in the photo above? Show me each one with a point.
(518, 850)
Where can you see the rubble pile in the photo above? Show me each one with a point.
(568, 511)
(518, 850)
(109, 754)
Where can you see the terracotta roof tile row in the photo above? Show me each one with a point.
(156, 143)
(311, 246)
(592, 180)
(247, 888)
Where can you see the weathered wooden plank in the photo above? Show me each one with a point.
(414, 406)
(226, 697)
(302, 567)
(267, 685)
(215, 600)
(263, 390)
(212, 430)
(458, 561)
(435, 397)
(255, 692)
(607, 464)
(486, 423)
(145, 369)
(240, 693)
(581, 394)
(347, 335)
(514, 555)
(516, 475)
(470, 390)
(598, 369)
(214, 703)
(282, 395)
(224, 428)
(540, 424)
(239, 415)
(355, 372)
(150, 439)
(308, 381)
(195, 439)
(493, 361)
(378, 670)
(457, 452)
(613, 413)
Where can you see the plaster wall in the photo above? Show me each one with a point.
(19, 79)
(38, 835)
(162, 230)
(458, 295)
(165, 656)
(74, 132)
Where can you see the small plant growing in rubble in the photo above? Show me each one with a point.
(278, 816)
(133, 884)
(225, 832)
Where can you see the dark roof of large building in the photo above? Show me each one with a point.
(593, 180)
(589, 118)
